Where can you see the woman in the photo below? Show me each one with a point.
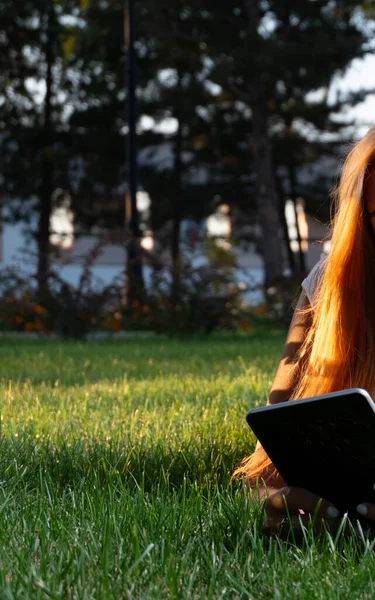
(331, 340)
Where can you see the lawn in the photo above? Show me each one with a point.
(115, 477)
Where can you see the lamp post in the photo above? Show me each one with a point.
(135, 285)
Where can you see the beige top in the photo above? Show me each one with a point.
(311, 284)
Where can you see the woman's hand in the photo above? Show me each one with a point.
(295, 506)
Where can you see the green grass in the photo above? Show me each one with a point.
(115, 462)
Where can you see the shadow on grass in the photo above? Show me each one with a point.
(72, 463)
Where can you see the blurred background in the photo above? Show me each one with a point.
(166, 166)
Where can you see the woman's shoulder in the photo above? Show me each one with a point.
(313, 280)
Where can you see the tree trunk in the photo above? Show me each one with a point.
(178, 213)
(135, 283)
(267, 197)
(135, 288)
(46, 187)
(264, 167)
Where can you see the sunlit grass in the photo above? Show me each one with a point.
(115, 463)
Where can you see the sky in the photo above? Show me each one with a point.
(361, 74)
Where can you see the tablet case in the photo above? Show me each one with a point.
(325, 444)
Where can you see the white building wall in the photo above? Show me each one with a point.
(19, 252)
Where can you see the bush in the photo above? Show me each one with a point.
(62, 308)
(208, 297)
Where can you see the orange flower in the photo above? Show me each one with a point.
(29, 326)
(260, 310)
(146, 309)
(38, 309)
(19, 320)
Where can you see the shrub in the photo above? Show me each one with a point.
(66, 310)
(208, 297)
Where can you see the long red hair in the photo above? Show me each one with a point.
(339, 349)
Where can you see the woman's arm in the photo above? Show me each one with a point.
(287, 372)
(286, 375)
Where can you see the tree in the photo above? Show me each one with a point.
(208, 146)
(102, 128)
(36, 80)
(239, 79)
(175, 96)
(265, 59)
(297, 122)
(260, 55)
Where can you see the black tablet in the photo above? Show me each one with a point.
(325, 444)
